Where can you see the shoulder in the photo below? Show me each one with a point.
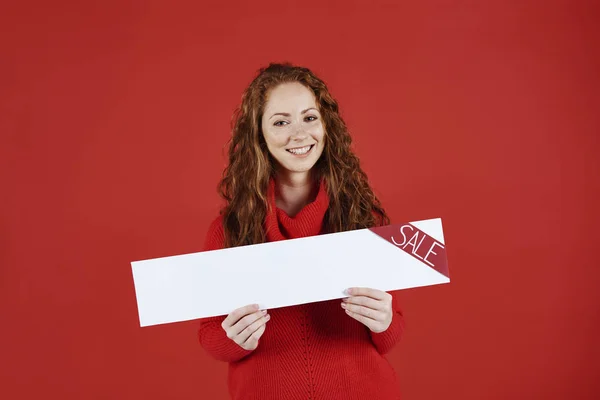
(215, 236)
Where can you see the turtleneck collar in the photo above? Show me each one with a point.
(308, 222)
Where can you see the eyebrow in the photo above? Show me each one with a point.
(287, 114)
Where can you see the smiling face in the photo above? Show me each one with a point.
(293, 128)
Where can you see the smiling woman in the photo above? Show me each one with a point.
(294, 139)
(292, 174)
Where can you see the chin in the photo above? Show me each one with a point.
(295, 167)
(298, 169)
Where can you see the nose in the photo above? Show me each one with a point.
(298, 134)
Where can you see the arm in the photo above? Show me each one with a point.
(386, 340)
(211, 335)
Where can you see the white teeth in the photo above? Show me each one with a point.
(300, 151)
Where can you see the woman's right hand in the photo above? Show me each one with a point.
(246, 325)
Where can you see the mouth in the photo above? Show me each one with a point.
(301, 151)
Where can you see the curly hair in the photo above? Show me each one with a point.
(245, 180)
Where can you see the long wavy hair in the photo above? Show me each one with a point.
(245, 180)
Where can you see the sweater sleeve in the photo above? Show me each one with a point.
(211, 335)
(386, 340)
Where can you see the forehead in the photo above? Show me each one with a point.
(291, 94)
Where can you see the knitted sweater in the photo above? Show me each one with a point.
(312, 351)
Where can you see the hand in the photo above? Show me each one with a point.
(371, 307)
(246, 325)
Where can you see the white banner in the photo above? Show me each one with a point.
(289, 272)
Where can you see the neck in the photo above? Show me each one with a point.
(293, 191)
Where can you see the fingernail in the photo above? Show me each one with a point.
(343, 305)
(268, 317)
(264, 311)
(349, 291)
(256, 306)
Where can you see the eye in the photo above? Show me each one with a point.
(311, 118)
(280, 123)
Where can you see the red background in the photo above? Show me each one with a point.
(113, 122)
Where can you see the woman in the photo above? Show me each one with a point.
(292, 174)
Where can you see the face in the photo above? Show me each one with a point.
(293, 128)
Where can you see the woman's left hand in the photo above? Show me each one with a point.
(371, 307)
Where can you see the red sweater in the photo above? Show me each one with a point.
(312, 351)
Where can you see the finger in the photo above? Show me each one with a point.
(364, 311)
(368, 322)
(243, 336)
(236, 315)
(366, 302)
(246, 321)
(369, 292)
(252, 342)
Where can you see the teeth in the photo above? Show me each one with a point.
(300, 151)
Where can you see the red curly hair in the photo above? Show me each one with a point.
(245, 180)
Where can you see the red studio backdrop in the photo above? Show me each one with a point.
(113, 121)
